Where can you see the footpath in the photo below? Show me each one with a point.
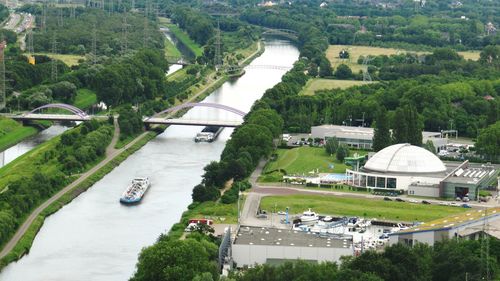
(111, 153)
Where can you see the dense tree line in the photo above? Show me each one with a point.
(134, 78)
(73, 153)
(75, 35)
(130, 122)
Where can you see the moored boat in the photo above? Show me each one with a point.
(309, 217)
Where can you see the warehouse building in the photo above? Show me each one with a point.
(469, 225)
(362, 137)
(259, 245)
(416, 171)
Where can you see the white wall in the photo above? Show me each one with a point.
(247, 255)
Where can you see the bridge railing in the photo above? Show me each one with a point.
(73, 109)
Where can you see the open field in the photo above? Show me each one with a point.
(12, 132)
(85, 98)
(302, 160)
(340, 206)
(184, 38)
(164, 20)
(328, 84)
(332, 53)
(69, 60)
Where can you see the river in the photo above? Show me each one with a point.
(28, 144)
(95, 237)
(186, 54)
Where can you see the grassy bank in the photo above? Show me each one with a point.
(318, 84)
(340, 206)
(12, 132)
(85, 98)
(26, 241)
(304, 159)
(196, 49)
(171, 50)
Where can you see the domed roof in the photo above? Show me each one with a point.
(405, 158)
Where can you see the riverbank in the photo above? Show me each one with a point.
(183, 38)
(19, 246)
(12, 132)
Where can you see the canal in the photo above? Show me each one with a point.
(95, 237)
(28, 144)
(186, 54)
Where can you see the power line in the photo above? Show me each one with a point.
(217, 56)
(54, 73)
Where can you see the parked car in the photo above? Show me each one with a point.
(387, 199)
(412, 201)
(454, 204)
(400, 200)
(426, 202)
(466, 206)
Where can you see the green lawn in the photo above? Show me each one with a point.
(85, 98)
(340, 206)
(302, 160)
(171, 50)
(314, 85)
(184, 38)
(68, 59)
(12, 132)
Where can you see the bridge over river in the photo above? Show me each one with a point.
(95, 237)
(77, 114)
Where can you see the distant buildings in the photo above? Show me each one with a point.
(470, 225)
(416, 171)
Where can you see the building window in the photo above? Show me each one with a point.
(391, 182)
(371, 181)
(381, 182)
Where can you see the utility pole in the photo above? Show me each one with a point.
(146, 24)
(73, 12)
(60, 21)
(217, 56)
(44, 17)
(94, 44)
(366, 74)
(2, 75)
(124, 44)
(485, 249)
(53, 74)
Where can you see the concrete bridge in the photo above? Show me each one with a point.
(159, 118)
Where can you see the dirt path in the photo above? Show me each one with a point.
(25, 226)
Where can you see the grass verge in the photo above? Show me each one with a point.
(196, 49)
(171, 50)
(12, 132)
(304, 159)
(26, 241)
(378, 209)
(85, 98)
(318, 84)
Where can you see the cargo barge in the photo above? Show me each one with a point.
(135, 191)
(208, 134)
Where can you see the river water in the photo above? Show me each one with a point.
(95, 237)
(186, 54)
(28, 144)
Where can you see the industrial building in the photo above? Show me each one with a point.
(416, 171)
(259, 245)
(362, 137)
(469, 225)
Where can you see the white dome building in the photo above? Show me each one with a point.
(405, 158)
(397, 167)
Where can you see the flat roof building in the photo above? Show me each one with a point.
(259, 245)
(362, 137)
(462, 225)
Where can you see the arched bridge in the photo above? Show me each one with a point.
(235, 68)
(157, 119)
(75, 114)
(177, 60)
(281, 32)
(162, 117)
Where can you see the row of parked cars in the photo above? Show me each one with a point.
(454, 204)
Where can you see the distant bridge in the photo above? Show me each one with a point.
(177, 60)
(292, 34)
(159, 118)
(156, 119)
(234, 68)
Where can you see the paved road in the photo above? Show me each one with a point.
(25, 226)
